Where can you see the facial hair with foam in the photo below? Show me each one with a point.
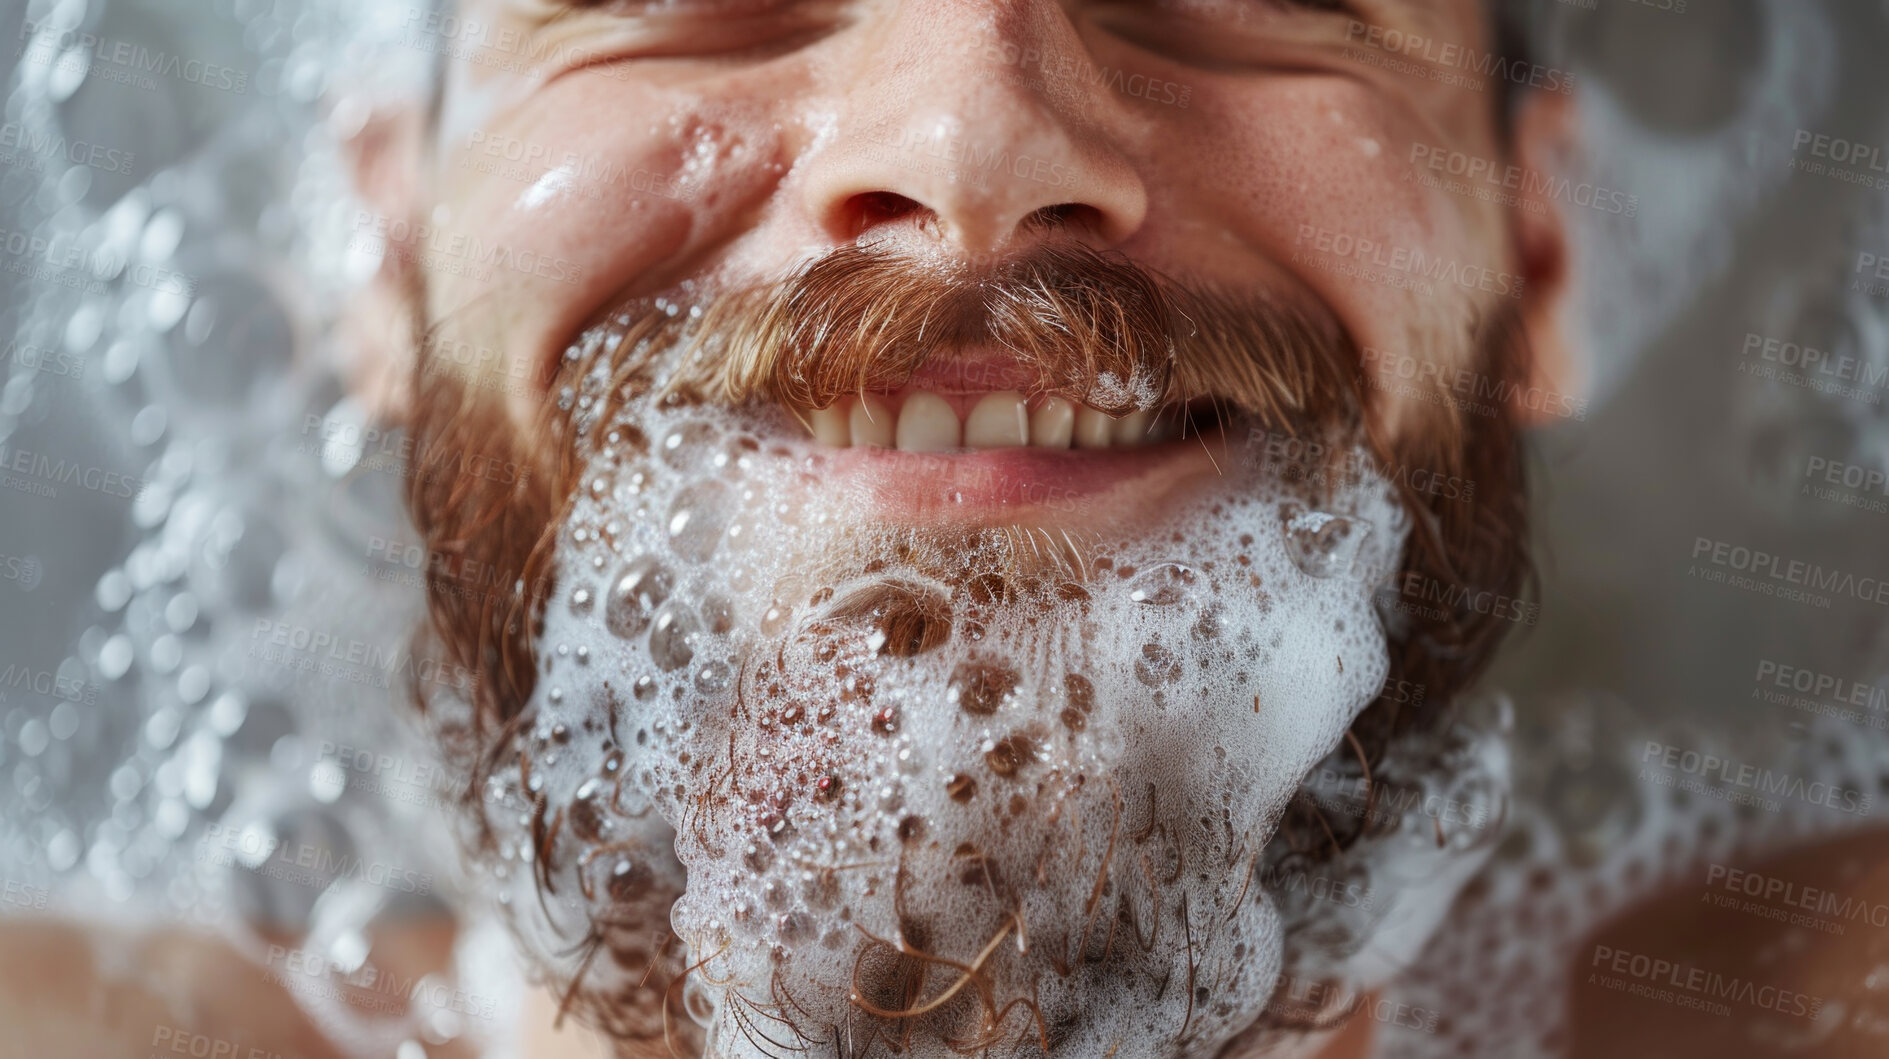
(939, 788)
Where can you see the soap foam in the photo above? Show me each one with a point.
(1002, 785)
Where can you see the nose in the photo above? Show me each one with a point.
(955, 134)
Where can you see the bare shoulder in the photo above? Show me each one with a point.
(542, 1038)
(67, 989)
(1779, 956)
(85, 990)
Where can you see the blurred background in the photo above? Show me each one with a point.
(192, 513)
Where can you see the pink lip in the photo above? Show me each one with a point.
(1062, 488)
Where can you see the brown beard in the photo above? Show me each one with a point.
(858, 321)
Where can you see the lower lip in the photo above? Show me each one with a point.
(1071, 488)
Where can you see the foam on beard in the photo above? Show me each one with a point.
(938, 791)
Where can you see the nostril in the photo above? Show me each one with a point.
(870, 209)
(1067, 217)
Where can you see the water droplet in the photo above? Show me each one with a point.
(1010, 755)
(980, 687)
(1323, 544)
(670, 645)
(1163, 585)
(960, 787)
(718, 615)
(698, 518)
(588, 813)
(1079, 693)
(1157, 666)
(689, 448)
(643, 586)
(796, 927)
(989, 590)
(1207, 627)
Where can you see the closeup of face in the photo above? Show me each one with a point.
(965, 463)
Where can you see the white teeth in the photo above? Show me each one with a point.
(1053, 424)
(1003, 420)
(999, 421)
(1131, 430)
(829, 426)
(1093, 429)
(872, 423)
(927, 424)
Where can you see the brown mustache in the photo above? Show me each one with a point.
(860, 320)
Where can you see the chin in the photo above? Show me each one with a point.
(954, 748)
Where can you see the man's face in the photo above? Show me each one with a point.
(961, 482)
(618, 147)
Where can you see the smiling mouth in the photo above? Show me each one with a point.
(962, 444)
(918, 420)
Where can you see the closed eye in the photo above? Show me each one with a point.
(719, 30)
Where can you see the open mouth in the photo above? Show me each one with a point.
(942, 447)
(978, 403)
(916, 420)
(1049, 465)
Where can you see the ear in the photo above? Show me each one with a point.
(1545, 142)
(380, 328)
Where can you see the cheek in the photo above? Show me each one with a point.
(1315, 176)
(549, 213)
